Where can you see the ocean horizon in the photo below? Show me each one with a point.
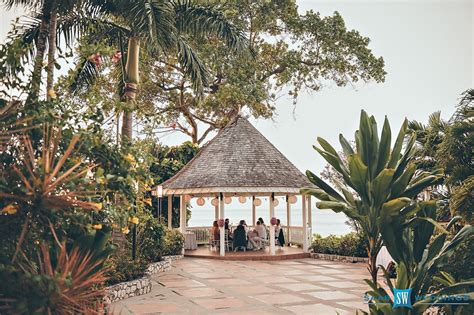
(325, 222)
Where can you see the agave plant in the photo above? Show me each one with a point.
(43, 180)
(421, 254)
(378, 180)
(60, 281)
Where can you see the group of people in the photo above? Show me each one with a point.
(243, 237)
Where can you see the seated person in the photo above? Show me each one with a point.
(279, 235)
(240, 237)
(227, 229)
(215, 232)
(261, 234)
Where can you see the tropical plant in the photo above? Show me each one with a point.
(448, 145)
(421, 255)
(383, 180)
(165, 27)
(60, 281)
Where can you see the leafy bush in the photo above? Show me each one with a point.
(347, 245)
(120, 269)
(150, 240)
(173, 243)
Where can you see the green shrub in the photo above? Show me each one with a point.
(150, 240)
(122, 269)
(173, 243)
(347, 245)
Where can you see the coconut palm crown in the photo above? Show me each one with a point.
(379, 180)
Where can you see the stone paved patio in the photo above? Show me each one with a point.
(304, 286)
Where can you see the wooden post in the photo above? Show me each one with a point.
(310, 222)
(272, 227)
(305, 225)
(182, 216)
(254, 212)
(288, 219)
(170, 212)
(222, 229)
(216, 210)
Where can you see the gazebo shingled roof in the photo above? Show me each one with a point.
(238, 160)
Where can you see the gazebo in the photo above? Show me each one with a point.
(240, 162)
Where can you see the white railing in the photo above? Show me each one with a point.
(203, 234)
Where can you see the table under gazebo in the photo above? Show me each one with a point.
(240, 163)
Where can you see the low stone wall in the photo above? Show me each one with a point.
(139, 286)
(339, 258)
(160, 266)
(128, 289)
(173, 257)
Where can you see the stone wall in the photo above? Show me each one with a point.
(128, 289)
(159, 266)
(140, 286)
(339, 258)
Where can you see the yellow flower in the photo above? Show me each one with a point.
(10, 209)
(130, 158)
(98, 206)
(147, 201)
(125, 230)
(134, 220)
(97, 226)
(51, 93)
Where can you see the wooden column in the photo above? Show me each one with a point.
(216, 210)
(288, 219)
(254, 212)
(182, 213)
(170, 212)
(272, 227)
(305, 225)
(222, 229)
(310, 222)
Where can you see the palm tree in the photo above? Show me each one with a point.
(378, 181)
(163, 27)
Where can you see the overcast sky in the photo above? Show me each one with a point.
(428, 51)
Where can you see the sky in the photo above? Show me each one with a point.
(428, 48)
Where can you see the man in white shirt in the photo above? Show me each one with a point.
(261, 235)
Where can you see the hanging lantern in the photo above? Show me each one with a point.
(228, 200)
(215, 202)
(257, 202)
(242, 199)
(292, 199)
(187, 198)
(201, 201)
(275, 202)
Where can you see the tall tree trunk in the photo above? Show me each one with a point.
(35, 82)
(51, 55)
(372, 266)
(131, 85)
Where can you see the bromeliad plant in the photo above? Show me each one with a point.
(378, 180)
(421, 256)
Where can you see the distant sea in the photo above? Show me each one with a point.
(325, 222)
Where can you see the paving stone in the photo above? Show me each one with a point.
(280, 298)
(334, 295)
(316, 309)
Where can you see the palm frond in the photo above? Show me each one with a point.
(206, 20)
(192, 65)
(85, 74)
